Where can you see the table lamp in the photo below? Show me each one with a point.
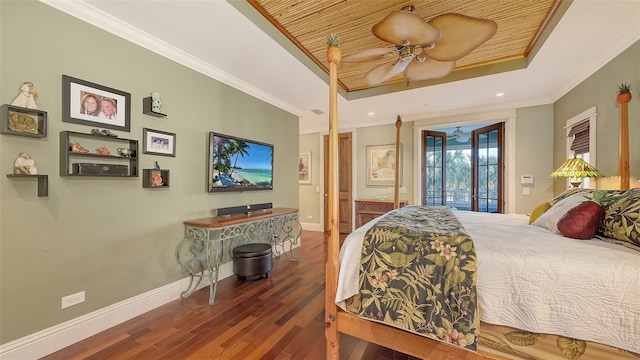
(575, 169)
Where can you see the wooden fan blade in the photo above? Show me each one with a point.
(384, 72)
(459, 35)
(368, 55)
(428, 69)
(402, 27)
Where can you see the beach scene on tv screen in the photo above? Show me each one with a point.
(238, 163)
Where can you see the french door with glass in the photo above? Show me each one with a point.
(468, 179)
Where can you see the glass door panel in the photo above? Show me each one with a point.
(487, 173)
(433, 175)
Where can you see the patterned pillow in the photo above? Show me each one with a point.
(571, 191)
(622, 220)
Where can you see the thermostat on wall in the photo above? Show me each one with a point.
(526, 179)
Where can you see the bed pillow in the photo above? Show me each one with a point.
(541, 209)
(549, 220)
(622, 219)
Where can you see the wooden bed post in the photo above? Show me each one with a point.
(333, 237)
(396, 186)
(623, 165)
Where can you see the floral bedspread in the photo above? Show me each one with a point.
(418, 273)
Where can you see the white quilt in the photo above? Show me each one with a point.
(532, 279)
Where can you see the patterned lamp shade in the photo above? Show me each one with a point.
(575, 169)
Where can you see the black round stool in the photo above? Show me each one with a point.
(252, 260)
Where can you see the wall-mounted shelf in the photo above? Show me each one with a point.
(149, 175)
(43, 182)
(90, 163)
(146, 108)
(21, 121)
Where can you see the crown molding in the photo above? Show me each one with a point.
(95, 17)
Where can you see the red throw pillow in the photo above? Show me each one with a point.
(582, 222)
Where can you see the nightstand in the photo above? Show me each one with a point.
(367, 210)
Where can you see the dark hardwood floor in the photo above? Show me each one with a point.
(276, 318)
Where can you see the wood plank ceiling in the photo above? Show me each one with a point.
(307, 22)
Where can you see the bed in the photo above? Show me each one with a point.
(522, 276)
(508, 329)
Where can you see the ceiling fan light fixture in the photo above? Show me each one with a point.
(459, 135)
(425, 50)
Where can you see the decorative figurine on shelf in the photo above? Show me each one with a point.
(156, 180)
(156, 165)
(76, 147)
(103, 151)
(125, 152)
(24, 165)
(156, 102)
(26, 97)
(104, 132)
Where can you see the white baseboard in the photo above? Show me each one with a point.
(312, 226)
(57, 337)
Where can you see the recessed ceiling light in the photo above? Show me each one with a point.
(500, 94)
(371, 113)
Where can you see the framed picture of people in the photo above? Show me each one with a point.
(90, 104)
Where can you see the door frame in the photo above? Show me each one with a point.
(507, 116)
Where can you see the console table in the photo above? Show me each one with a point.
(209, 242)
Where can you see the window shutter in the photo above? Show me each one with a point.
(580, 134)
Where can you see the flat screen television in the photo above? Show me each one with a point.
(237, 164)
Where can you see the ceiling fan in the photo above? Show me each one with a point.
(459, 135)
(425, 50)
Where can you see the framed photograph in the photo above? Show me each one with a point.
(156, 142)
(381, 165)
(304, 168)
(95, 105)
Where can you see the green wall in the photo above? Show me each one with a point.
(110, 237)
(534, 154)
(600, 90)
(311, 203)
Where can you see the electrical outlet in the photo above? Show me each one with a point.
(390, 190)
(403, 190)
(309, 217)
(73, 299)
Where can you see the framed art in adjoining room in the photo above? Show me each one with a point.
(381, 164)
(95, 105)
(156, 142)
(304, 168)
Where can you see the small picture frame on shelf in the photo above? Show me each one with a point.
(21, 121)
(155, 178)
(156, 142)
(90, 104)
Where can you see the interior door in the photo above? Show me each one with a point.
(345, 195)
(434, 149)
(487, 169)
